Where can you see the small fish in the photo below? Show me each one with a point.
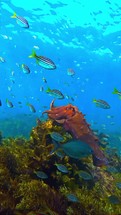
(25, 69)
(72, 198)
(12, 73)
(21, 21)
(70, 72)
(0, 103)
(62, 168)
(55, 93)
(2, 60)
(9, 88)
(101, 103)
(112, 169)
(5, 36)
(118, 185)
(73, 148)
(110, 116)
(57, 137)
(69, 97)
(9, 103)
(84, 175)
(12, 80)
(41, 89)
(114, 199)
(36, 47)
(31, 107)
(60, 154)
(105, 139)
(117, 92)
(41, 174)
(44, 80)
(42, 61)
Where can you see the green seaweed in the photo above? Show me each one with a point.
(22, 192)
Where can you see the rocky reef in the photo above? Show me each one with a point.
(36, 180)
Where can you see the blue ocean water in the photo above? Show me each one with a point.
(79, 34)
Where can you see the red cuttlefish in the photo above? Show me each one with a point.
(74, 122)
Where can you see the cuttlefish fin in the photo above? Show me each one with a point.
(61, 121)
(52, 104)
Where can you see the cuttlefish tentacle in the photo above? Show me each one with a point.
(59, 113)
(52, 104)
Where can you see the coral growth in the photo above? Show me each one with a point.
(23, 191)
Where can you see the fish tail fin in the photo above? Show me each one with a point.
(48, 90)
(14, 15)
(94, 100)
(115, 91)
(56, 147)
(22, 65)
(33, 55)
(27, 104)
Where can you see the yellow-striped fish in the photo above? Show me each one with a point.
(21, 21)
(117, 92)
(31, 107)
(55, 93)
(43, 61)
(101, 103)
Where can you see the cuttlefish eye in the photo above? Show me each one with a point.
(70, 108)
